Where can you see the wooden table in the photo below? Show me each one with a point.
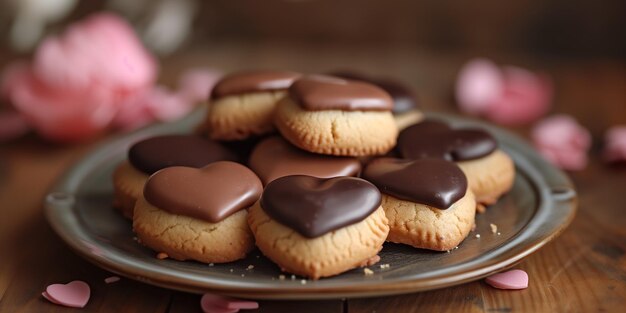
(584, 270)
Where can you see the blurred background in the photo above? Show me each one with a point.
(580, 44)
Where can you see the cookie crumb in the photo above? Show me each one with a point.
(384, 266)
(250, 267)
(162, 256)
(211, 264)
(456, 247)
(480, 208)
(112, 279)
(368, 272)
(477, 236)
(494, 228)
(281, 277)
(498, 234)
(303, 282)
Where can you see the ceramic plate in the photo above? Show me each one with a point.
(541, 205)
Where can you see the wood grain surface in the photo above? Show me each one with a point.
(584, 270)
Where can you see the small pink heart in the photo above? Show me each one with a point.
(513, 279)
(74, 294)
(210, 302)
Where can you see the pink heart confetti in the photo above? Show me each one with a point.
(513, 279)
(615, 144)
(210, 302)
(562, 141)
(74, 294)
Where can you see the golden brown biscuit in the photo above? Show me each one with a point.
(426, 227)
(336, 132)
(128, 185)
(489, 177)
(187, 238)
(330, 254)
(237, 117)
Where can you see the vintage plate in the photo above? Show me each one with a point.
(540, 206)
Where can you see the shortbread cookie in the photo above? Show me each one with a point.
(319, 227)
(155, 153)
(274, 157)
(427, 201)
(242, 104)
(489, 170)
(405, 104)
(333, 116)
(198, 214)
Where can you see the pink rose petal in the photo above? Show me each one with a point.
(615, 144)
(513, 279)
(196, 84)
(74, 294)
(227, 302)
(562, 141)
(479, 84)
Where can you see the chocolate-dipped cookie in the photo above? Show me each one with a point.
(489, 170)
(198, 214)
(427, 201)
(318, 227)
(329, 115)
(152, 154)
(405, 104)
(242, 104)
(274, 157)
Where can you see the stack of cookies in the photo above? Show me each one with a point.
(314, 171)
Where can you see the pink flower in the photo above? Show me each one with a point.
(78, 80)
(615, 144)
(562, 141)
(509, 96)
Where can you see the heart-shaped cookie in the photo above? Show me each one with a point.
(404, 99)
(155, 153)
(274, 157)
(253, 81)
(434, 182)
(318, 92)
(211, 193)
(315, 206)
(435, 139)
(74, 294)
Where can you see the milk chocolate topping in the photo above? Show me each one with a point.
(315, 206)
(317, 92)
(434, 182)
(155, 153)
(274, 157)
(435, 139)
(253, 81)
(404, 99)
(211, 193)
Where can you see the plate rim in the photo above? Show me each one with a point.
(557, 200)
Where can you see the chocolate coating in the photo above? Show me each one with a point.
(404, 99)
(274, 157)
(253, 81)
(434, 182)
(316, 206)
(435, 139)
(155, 153)
(211, 193)
(317, 92)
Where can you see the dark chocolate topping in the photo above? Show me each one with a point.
(404, 99)
(434, 182)
(435, 139)
(155, 153)
(253, 81)
(317, 92)
(274, 157)
(211, 193)
(316, 206)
